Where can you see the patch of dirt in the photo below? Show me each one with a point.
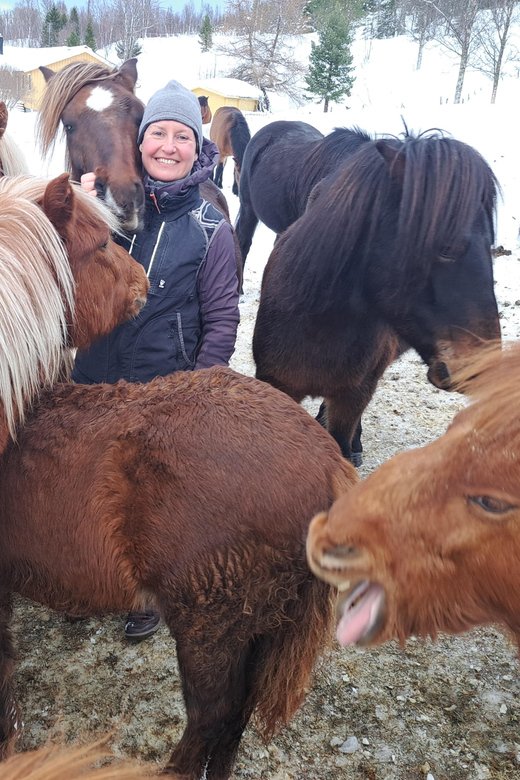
(444, 710)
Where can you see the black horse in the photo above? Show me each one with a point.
(394, 247)
(282, 164)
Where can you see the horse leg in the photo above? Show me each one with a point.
(236, 176)
(216, 700)
(356, 447)
(219, 174)
(9, 716)
(245, 227)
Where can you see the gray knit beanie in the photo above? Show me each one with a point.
(173, 102)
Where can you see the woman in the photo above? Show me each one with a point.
(191, 316)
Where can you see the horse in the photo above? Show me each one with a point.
(101, 117)
(393, 251)
(157, 493)
(12, 161)
(230, 131)
(430, 541)
(63, 283)
(205, 110)
(281, 166)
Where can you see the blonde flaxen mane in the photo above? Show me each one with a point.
(13, 161)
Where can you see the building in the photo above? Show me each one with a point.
(28, 61)
(229, 92)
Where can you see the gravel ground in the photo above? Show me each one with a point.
(440, 710)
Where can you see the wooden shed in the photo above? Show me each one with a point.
(228, 92)
(28, 61)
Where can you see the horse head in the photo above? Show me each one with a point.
(12, 161)
(100, 115)
(429, 542)
(64, 283)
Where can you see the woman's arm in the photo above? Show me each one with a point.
(218, 295)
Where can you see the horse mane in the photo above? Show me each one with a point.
(491, 379)
(328, 153)
(438, 185)
(52, 764)
(36, 292)
(59, 91)
(12, 158)
(240, 136)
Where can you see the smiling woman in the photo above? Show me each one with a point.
(169, 150)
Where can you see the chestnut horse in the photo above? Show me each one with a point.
(230, 131)
(12, 161)
(393, 249)
(101, 116)
(205, 110)
(63, 283)
(194, 492)
(431, 541)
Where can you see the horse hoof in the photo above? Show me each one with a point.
(356, 458)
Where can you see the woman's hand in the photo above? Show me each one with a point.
(87, 183)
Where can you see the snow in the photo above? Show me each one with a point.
(229, 87)
(26, 59)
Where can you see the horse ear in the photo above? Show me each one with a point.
(394, 160)
(47, 73)
(3, 118)
(127, 74)
(58, 203)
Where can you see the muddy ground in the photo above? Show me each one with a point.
(436, 711)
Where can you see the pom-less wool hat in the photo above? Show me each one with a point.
(173, 102)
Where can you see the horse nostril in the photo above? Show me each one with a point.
(339, 557)
(439, 375)
(100, 188)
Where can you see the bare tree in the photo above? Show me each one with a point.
(492, 35)
(262, 45)
(422, 23)
(456, 35)
(22, 25)
(13, 85)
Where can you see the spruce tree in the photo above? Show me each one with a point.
(73, 39)
(52, 24)
(89, 39)
(331, 61)
(206, 34)
(74, 21)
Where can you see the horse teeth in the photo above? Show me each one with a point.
(344, 585)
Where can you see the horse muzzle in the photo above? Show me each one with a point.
(439, 375)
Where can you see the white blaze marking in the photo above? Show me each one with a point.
(99, 99)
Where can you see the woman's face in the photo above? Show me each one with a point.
(168, 150)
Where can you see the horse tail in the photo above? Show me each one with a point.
(286, 656)
(9, 716)
(240, 135)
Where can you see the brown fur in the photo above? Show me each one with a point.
(205, 110)
(182, 491)
(52, 764)
(423, 525)
(230, 132)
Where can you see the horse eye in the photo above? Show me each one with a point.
(69, 128)
(104, 246)
(448, 256)
(496, 506)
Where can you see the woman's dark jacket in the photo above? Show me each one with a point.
(191, 314)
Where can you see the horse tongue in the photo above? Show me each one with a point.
(356, 621)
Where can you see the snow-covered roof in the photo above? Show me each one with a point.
(25, 59)
(230, 88)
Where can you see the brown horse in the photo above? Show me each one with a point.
(431, 541)
(101, 117)
(205, 110)
(194, 492)
(230, 131)
(12, 161)
(63, 283)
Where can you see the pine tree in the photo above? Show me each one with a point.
(74, 21)
(73, 39)
(52, 24)
(331, 61)
(89, 39)
(206, 34)
(125, 50)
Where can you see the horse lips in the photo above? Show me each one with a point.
(360, 614)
